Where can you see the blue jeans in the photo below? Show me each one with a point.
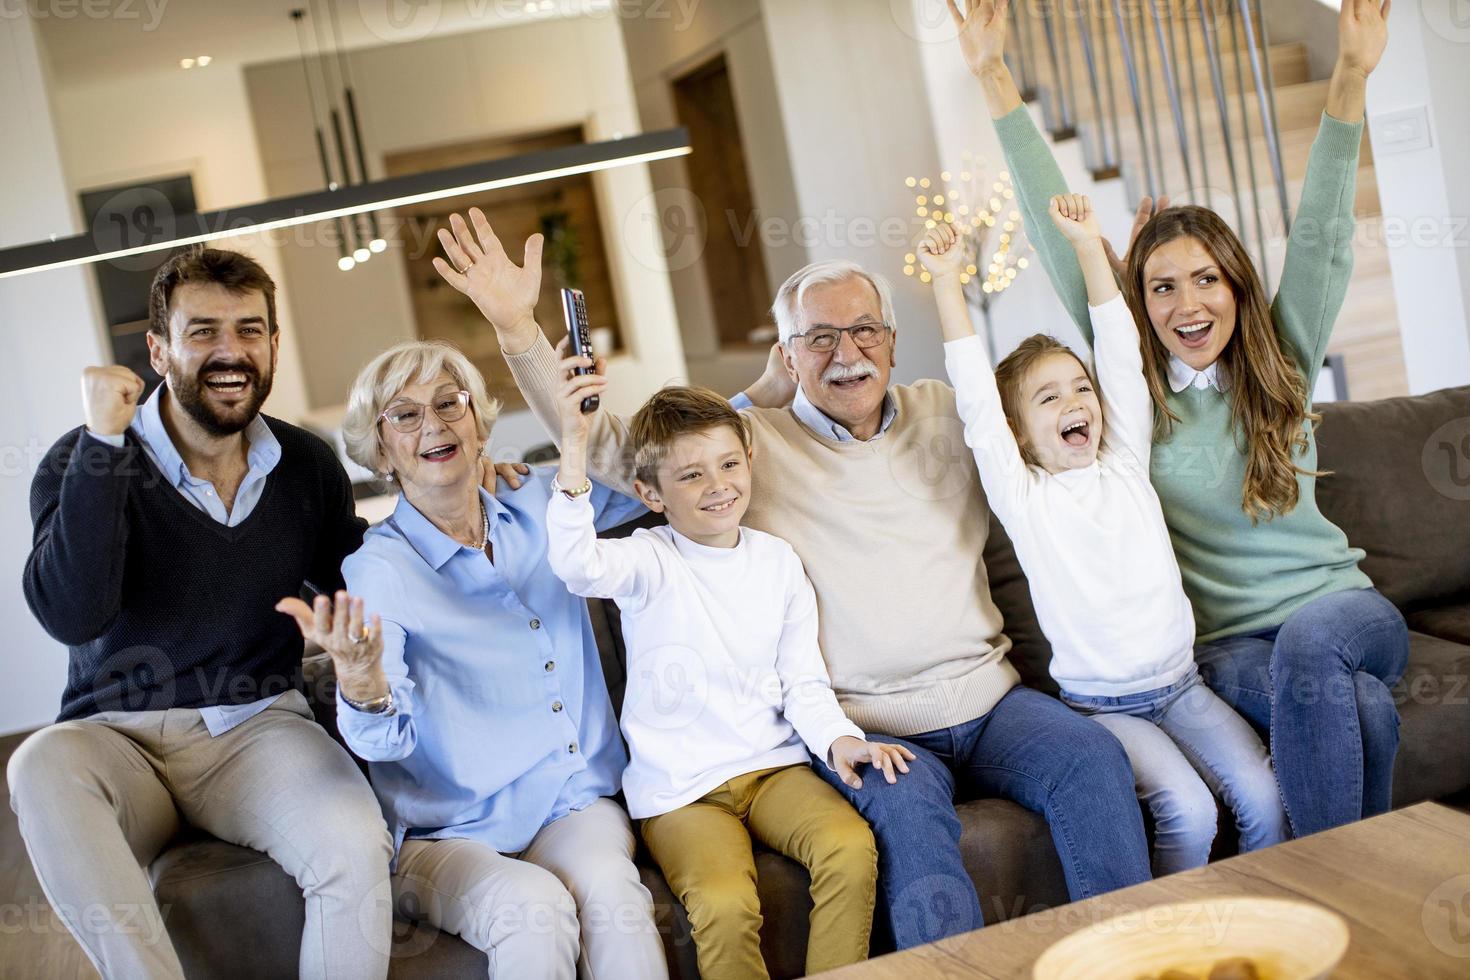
(1031, 749)
(1319, 684)
(1187, 746)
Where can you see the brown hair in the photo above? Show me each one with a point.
(672, 412)
(1010, 376)
(1268, 395)
(236, 272)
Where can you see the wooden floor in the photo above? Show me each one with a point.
(34, 945)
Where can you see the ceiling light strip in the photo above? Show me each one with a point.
(105, 244)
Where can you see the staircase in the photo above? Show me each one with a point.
(1075, 69)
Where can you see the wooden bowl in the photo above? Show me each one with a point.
(1285, 940)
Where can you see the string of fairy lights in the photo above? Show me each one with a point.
(976, 205)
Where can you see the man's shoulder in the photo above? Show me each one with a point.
(301, 445)
(925, 391)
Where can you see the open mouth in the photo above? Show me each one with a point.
(227, 382)
(846, 384)
(1195, 335)
(1077, 434)
(722, 507)
(439, 453)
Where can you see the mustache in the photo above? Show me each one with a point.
(244, 367)
(850, 372)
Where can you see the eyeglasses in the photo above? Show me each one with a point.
(822, 340)
(409, 416)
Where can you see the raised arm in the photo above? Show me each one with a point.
(1128, 409)
(618, 570)
(1002, 469)
(73, 578)
(506, 294)
(1319, 254)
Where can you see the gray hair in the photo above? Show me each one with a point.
(787, 308)
(385, 377)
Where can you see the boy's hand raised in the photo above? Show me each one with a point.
(848, 753)
(575, 387)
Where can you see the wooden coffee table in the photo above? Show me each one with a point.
(1402, 882)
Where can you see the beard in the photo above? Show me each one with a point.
(191, 392)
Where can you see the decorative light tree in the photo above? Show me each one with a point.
(982, 210)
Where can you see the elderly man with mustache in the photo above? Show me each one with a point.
(895, 550)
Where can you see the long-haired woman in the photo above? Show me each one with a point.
(1291, 632)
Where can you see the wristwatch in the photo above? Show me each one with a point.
(377, 706)
(575, 492)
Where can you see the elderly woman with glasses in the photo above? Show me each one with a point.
(475, 691)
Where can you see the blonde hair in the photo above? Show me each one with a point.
(385, 377)
(672, 412)
(1010, 377)
(1268, 395)
(787, 308)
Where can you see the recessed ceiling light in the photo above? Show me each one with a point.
(186, 63)
(203, 60)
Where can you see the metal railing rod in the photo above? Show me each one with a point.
(1065, 50)
(1260, 71)
(1194, 87)
(1064, 121)
(1020, 62)
(1250, 155)
(1169, 69)
(1148, 91)
(1222, 106)
(1099, 116)
(1107, 59)
(1125, 47)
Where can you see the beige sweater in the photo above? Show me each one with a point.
(892, 532)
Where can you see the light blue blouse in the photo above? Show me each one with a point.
(503, 722)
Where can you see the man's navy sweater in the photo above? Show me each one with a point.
(163, 606)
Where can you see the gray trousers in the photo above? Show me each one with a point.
(100, 797)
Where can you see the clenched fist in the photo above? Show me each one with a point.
(109, 398)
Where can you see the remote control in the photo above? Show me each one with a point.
(574, 309)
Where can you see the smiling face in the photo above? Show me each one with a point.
(219, 357)
(440, 455)
(703, 486)
(847, 384)
(1189, 301)
(1061, 421)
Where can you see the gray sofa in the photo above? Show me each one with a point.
(1400, 488)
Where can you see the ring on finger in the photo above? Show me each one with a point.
(362, 637)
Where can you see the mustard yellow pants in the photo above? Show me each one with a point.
(704, 850)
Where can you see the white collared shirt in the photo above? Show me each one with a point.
(1183, 376)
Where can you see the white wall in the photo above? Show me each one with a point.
(854, 109)
(657, 56)
(1424, 191)
(49, 331)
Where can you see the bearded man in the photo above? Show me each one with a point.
(164, 536)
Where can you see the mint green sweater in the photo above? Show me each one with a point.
(1240, 577)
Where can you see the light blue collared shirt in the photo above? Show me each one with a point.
(502, 721)
(263, 455)
(815, 419)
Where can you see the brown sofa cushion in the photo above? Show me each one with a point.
(1030, 650)
(1400, 489)
(1433, 699)
(1450, 622)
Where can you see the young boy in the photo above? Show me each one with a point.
(1066, 470)
(726, 688)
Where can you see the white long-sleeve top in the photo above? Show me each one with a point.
(725, 675)
(1092, 541)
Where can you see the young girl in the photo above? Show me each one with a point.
(1292, 632)
(1066, 471)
